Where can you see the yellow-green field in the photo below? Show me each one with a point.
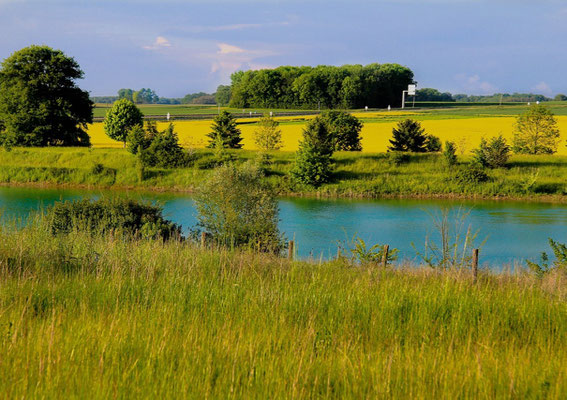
(466, 132)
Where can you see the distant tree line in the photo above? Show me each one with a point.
(149, 96)
(348, 86)
(429, 94)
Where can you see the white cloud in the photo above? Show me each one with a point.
(159, 43)
(543, 88)
(229, 49)
(473, 84)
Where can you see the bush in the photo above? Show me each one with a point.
(313, 159)
(450, 153)
(344, 129)
(136, 140)
(492, 154)
(398, 158)
(432, 144)
(471, 174)
(560, 263)
(165, 151)
(236, 207)
(119, 216)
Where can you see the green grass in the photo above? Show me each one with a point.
(355, 174)
(449, 111)
(100, 317)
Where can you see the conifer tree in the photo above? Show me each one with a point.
(313, 159)
(224, 126)
(409, 136)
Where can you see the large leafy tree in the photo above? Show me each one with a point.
(313, 159)
(40, 103)
(536, 132)
(408, 135)
(120, 118)
(224, 131)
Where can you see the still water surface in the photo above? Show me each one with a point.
(512, 231)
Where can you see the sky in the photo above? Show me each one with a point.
(177, 47)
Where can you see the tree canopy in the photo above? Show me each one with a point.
(40, 103)
(349, 86)
(120, 118)
(344, 129)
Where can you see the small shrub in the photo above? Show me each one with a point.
(471, 174)
(165, 151)
(119, 216)
(364, 255)
(450, 153)
(432, 144)
(97, 169)
(398, 158)
(492, 154)
(236, 207)
(560, 264)
(137, 140)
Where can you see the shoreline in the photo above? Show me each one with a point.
(548, 199)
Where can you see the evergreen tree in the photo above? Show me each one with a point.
(313, 159)
(408, 136)
(224, 126)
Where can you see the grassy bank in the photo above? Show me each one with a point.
(99, 317)
(355, 174)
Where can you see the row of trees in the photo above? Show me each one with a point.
(349, 86)
(430, 94)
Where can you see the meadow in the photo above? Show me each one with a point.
(100, 317)
(355, 175)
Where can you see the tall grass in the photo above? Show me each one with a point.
(92, 317)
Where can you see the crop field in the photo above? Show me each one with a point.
(465, 130)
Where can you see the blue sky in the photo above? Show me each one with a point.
(177, 47)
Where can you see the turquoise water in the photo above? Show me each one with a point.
(512, 231)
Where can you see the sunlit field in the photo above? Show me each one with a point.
(465, 132)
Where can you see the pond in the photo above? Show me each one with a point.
(511, 231)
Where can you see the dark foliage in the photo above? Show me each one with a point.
(118, 216)
(224, 132)
(313, 159)
(40, 104)
(344, 129)
(408, 135)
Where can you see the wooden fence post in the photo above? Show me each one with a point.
(385, 255)
(475, 264)
(290, 250)
(203, 239)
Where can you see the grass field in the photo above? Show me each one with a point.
(465, 127)
(84, 317)
(355, 174)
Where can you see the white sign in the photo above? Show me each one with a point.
(411, 90)
(168, 116)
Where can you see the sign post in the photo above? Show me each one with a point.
(410, 92)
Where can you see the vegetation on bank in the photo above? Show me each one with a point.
(354, 174)
(99, 316)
